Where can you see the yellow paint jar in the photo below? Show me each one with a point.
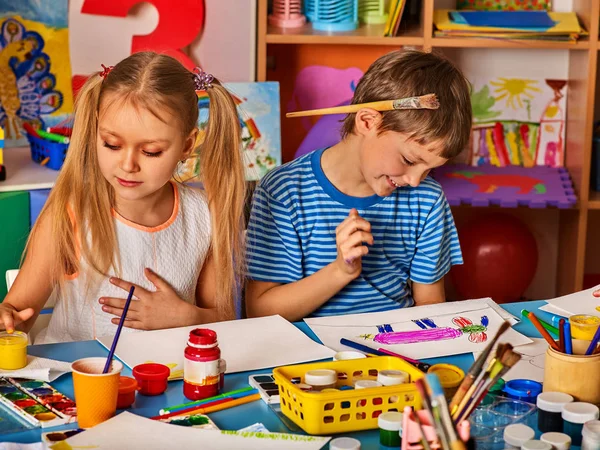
(13, 350)
(584, 326)
(450, 376)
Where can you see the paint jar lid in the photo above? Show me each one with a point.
(536, 445)
(346, 355)
(367, 384)
(579, 412)
(304, 387)
(14, 339)
(344, 443)
(324, 391)
(320, 377)
(553, 401)
(203, 336)
(151, 371)
(450, 376)
(390, 421)
(516, 434)
(559, 441)
(127, 385)
(392, 377)
(523, 388)
(591, 430)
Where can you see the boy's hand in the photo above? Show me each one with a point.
(150, 310)
(9, 316)
(597, 293)
(350, 237)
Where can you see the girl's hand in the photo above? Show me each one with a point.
(350, 237)
(151, 310)
(9, 316)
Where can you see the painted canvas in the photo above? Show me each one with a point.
(35, 71)
(518, 121)
(421, 332)
(258, 108)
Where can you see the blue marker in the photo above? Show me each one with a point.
(568, 342)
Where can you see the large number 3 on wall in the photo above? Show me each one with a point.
(179, 22)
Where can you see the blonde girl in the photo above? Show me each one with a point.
(116, 218)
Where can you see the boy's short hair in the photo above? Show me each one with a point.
(403, 73)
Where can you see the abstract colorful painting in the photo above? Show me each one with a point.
(505, 5)
(35, 72)
(518, 121)
(258, 108)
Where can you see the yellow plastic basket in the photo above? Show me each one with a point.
(348, 410)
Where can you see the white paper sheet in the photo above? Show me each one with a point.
(18, 446)
(582, 302)
(459, 328)
(248, 344)
(42, 369)
(531, 365)
(130, 432)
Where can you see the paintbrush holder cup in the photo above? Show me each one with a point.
(576, 375)
(411, 433)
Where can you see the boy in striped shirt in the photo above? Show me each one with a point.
(360, 227)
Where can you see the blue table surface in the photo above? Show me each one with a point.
(240, 416)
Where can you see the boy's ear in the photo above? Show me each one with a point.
(366, 121)
(190, 143)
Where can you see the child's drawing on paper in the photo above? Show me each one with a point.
(429, 332)
(518, 121)
(258, 108)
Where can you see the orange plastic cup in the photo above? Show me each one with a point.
(95, 393)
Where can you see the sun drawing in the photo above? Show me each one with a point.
(512, 89)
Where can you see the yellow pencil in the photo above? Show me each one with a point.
(225, 405)
(428, 101)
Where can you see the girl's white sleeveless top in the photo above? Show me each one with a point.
(175, 250)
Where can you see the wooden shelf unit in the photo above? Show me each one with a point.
(583, 57)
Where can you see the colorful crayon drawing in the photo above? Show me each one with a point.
(518, 122)
(35, 72)
(430, 332)
(258, 109)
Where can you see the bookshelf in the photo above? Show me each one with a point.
(570, 239)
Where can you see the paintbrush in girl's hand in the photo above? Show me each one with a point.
(475, 369)
(428, 101)
(113, 347)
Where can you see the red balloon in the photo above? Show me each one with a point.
(500, 258)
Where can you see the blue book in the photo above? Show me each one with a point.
(504, 19)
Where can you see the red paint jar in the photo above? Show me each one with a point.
(127, 388)
(151, 378)
(203, 367)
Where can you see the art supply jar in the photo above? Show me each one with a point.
(13, 350)
(524, 390)
(584, 326)
(558, 441)
(392, 377)
(321, 379)
(550, 405)
(346, 355)
(516, 435)
(151, 378)
(127, 388)
(450, 378)
(203, 368)
(344, 443)
(591, 435)
(367, 384)
(577, 375)
(574, 416)
(536, 445)
(390, 424)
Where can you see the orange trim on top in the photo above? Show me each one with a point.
(160, 227)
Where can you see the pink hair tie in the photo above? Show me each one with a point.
(105, 70)
(202, 79)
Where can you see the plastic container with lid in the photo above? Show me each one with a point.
(536, 445)
(151, 378)
(450, 377)
(517, 434)
(127, 388)
(390, 424)
(550, 405)
(344, 443)
(203, 368)
(584, 326)
(574, 416)
(346, 355)
(13, 350)
(558, 441)
(591, 435)
(524, 390)
(321, 379)
(367, 384)
(392, 377)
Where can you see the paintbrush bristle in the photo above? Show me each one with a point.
(429, 101)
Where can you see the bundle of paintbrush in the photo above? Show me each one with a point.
(446, 432)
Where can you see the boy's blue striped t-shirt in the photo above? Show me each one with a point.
(291, 235)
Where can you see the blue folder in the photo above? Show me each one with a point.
(503, 19)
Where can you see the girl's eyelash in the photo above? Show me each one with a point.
(112, 147)
(407, 162)
(152, 155)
